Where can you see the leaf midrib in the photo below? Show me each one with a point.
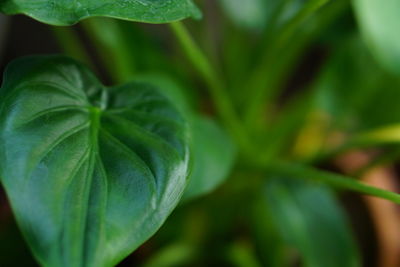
(93, 152)
(95, 116)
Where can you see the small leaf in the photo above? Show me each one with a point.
(380, 23)
(91, 172)
(213, 154)
(310, 220)
(65, 12)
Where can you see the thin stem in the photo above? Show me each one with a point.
(386, 159)
(291, 170)
(214, 85)
(387, 135)
(290, 28)
(70, 43)
(111, 47)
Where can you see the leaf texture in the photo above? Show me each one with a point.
(67, 12)
(91, 172)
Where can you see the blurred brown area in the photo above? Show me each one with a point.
(385, 215)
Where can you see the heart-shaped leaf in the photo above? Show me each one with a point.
(66, 12)
(91, 172)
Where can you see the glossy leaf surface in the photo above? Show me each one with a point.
(91, 172)
(311, 221)
(212, 150)
(66, 12)
(380, 23)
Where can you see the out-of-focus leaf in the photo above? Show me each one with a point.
(174, 255)
(310, 220)
(213, 152)
(382, 110)
(346, 84)
(241, 254)
(260, 14)
(112, 45)
(91, 172)
(343, 88)
(65, 12)
(170, 89)
(380, 23)
(130, 47)
(352, 95)
(251, 14)
(269, 243)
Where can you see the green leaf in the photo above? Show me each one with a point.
(261, 14)
(65, 12)
(213, 154)
(212, 150)
(171, 90)
(112, 44)
(349, 66)
(380, 22)
(355, 112)
(177, 254)
(310, 220)
(91, 172)
(268, 241)
(248, 14)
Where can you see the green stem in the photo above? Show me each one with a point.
(111, 47)
(292, 26)
(70, 43)
(214, 85)
(387, 135)
(291, 170)
(387, 158)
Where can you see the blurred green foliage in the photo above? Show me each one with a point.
(260, 81)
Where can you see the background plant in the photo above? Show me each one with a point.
(273, 94)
